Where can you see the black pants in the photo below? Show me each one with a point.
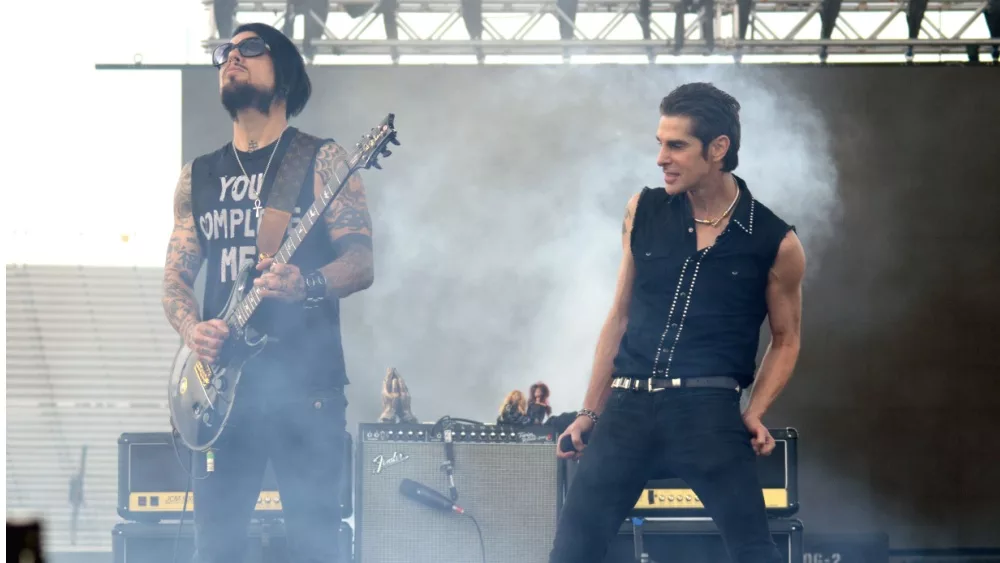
(304, 439)
(698, 435)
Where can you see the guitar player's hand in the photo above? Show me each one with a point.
(280, 281)
(205, 339)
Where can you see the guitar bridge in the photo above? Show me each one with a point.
(203, 372)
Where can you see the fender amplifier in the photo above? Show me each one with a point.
(153, 475)
(506, 479)
(778, 474)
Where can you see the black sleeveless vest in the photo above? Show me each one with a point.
(697, 313)
(308, 354)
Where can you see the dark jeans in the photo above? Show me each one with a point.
(698, 435)
(304, 439)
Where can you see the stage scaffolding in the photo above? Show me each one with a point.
(642, 27)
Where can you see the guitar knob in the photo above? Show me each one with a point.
(197, 409)
(219, 383)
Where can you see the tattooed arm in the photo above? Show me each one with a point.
(349, 226)
(182, 263)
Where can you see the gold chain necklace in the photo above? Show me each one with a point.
(715, 222)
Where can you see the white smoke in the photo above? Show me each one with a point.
(498, 220)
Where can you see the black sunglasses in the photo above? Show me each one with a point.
(249, 47)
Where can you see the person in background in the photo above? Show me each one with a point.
(538, 404)
(513, 411)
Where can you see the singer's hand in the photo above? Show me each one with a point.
(575, 431)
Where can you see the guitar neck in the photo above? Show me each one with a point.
(343, 169)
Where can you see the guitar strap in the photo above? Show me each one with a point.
(288, 183)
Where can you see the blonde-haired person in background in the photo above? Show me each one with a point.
(514, 409)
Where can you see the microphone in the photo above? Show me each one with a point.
(428, 497)
(566, 444)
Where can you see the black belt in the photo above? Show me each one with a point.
(654, 384)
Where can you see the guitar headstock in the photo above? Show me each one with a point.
(373, 144)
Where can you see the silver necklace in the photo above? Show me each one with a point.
(256, 204)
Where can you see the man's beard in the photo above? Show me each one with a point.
(239, 96)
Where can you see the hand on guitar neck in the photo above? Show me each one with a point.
(205, 339)
(280, 281)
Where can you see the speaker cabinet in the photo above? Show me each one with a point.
(507, 479)
(696, 540)
(134, 542)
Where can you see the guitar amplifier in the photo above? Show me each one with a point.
(507, 480)
(152, 478)
(695, 540)
(778, 474)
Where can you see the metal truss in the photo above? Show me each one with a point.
(774, 27)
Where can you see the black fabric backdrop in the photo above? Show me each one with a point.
(895, 395)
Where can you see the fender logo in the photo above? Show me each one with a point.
(381, 462)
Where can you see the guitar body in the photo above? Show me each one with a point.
(201, 396)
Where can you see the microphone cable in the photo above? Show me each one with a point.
(187, 490)
(482, 544)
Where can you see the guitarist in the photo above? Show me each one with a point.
(290, 405)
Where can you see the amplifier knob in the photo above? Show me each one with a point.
(420, 433)
(670, 498)
(483, 434)
(688, 498)
(493, 435)
(410, 433)
(662, 498)
(462, 434)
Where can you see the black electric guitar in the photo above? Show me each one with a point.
(201, 396)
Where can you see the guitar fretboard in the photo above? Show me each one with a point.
(343, 169)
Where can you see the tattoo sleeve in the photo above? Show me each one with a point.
(348, 224)
(183, 260)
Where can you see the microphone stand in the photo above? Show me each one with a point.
(449, 465)
(445, 423)
(76, 495)
(640, 552)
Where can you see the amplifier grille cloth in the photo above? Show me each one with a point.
(511, 490)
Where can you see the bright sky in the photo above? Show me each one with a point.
(95, 154)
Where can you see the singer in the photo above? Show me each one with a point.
(704, 263)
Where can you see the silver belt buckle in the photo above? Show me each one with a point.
(649, 386)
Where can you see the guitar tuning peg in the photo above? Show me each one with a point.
(386, 152)
(376, 164)
(394, 141)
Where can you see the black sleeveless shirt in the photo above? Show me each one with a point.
(308, 355)
(697, 313)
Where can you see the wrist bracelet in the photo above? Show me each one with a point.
(589, 414)
(315, 288)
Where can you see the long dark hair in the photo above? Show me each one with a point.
(545, 396)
